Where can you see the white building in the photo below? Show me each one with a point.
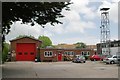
(114, 48)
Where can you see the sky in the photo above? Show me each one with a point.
(80, 24)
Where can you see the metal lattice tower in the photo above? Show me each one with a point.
(105, 31)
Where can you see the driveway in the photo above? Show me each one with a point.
(59, 70)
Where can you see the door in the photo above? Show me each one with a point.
(25, 52)
(59, 56)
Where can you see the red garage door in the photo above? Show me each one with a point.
(25, 52)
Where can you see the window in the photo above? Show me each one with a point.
(88, 53)
(48, 53)
(45, 53)
(85, 53)
(69, 53)
(25, 53)
(82, 53)
(112, 45)
(118, 45)
(115, 45)
(65, 53)
(115, 57)
(32, 53)
(72, 53)
(20, 53)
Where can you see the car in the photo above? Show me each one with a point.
(111, 59)
(95, 57)
(118, 58)
(79, 59)
(103, 57)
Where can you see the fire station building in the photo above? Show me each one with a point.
(26, 49)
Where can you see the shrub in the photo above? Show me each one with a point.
(5, 52)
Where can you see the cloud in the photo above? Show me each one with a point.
(87, 39)
(104, 0)
(81, 7)
(113, 12)
(77, 21)
(23, 29)
(73, 21)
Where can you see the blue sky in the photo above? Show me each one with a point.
(80, 24)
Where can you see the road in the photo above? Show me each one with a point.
(59, 70)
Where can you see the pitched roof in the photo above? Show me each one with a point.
(91, 46)
(65, 46)
(73, 46)
(65, 49)
(25, 37)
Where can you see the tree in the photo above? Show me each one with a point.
(5, 51)
(80, 45)
(28, 12)
(21, 36)
(45, 41)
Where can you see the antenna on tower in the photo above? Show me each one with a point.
(105, 31)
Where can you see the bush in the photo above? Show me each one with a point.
(5, 52)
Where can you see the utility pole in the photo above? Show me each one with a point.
(105, 32)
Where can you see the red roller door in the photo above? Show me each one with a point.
(25, 52)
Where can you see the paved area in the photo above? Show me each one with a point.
(59, 70)
(0, 71)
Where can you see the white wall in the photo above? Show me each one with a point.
(113, 50)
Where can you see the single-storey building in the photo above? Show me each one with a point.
(114, 48)
(24, 49)
(52, 54)
(27, 49)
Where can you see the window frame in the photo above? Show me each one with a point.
(69, 53)
(48, 53)
(82, 53)
(114, 56)
(85, 52)
(88, 53)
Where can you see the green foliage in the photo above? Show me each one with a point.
(31, 12)
(45, 41)
(21, 36)
(5, 51)
(80, 45)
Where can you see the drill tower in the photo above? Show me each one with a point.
(105, 31)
